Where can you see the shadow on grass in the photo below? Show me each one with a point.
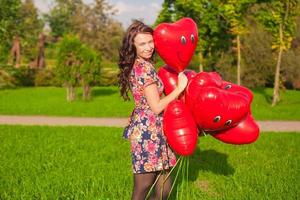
(102, 92)
(263, 92)
(207, 160)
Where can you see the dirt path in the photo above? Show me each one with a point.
(278, 126)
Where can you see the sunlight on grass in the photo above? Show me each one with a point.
(39, 162)
(106, 102)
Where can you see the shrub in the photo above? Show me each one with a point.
(108, 77)
(6, 80)
(46, 77)
(23, 76)
(77, 64)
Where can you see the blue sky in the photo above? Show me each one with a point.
(146, 10)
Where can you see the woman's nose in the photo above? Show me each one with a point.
(149, 47)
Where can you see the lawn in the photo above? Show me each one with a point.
(107, 102)
(39, 162)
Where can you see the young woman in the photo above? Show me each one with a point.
(150, 152)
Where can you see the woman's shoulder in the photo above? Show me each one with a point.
(141, 67)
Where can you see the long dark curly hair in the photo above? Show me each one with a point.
(127, 55)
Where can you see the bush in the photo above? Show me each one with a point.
(108, 77)
(77, 64)
(23, 76)
(46, 77)
(6, 80)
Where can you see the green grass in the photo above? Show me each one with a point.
(287, 109)
(94, 163)
(106, 102)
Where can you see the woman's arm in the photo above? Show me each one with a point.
(156, 104)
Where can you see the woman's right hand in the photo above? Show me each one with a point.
(182, 82)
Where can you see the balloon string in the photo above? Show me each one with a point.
(178, 170)
(163, 184)
(148, 195)
(187, 175)
(183, 178)
(173, 168)
(178, 161)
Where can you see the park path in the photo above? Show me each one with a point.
(278, 126)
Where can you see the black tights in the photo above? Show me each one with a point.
(143, 183)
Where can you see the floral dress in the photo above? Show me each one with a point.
(149, 149)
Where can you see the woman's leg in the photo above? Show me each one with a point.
(163, 186)
(142, 184)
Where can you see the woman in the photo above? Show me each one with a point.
(150, 153)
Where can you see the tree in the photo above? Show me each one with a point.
(9, 21)
(61, 16)
(31, 26)
(234, 11)
(90, 69)
(19, 26)
(68, 64)
(40, 60)
(93, 23)
(15, 52)
(279, 18)
(77, 64)
(96, 27)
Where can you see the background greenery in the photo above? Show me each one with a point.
(217, 43)
(107, 102)
(94, 163)
(40, 162)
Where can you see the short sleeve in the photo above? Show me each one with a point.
(145, 75)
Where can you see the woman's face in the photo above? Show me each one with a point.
(144, 45)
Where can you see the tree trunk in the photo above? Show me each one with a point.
(201, 62)
(70, 93)
(238, 60)
(41, 52)
(276, 82)
(16, 52)
(86, 95)
(277, 73)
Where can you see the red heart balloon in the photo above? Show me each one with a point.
(245, 132)
(176, 42)
(180, 128)
(213, 107)
(190, 74)
(169, 78)
(200, 81)
(216, 109)
(237, 89)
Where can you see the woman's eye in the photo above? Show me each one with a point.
(183, 40)
(192, 38)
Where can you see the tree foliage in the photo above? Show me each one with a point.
(77, 64)
(234, 11)
(219, 22)
(279, 19)
(30, 27)
(278, 13)
(93, 23)
(19, 18)
(9, 21)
